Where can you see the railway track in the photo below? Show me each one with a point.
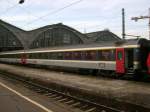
(67, 99)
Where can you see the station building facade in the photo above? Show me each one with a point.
(14, 38)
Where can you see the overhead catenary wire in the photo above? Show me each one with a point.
(42, 17)
(28, 12)
(54, 12)
(8, 9)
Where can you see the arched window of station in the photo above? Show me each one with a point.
(8, 41)
(56, 37)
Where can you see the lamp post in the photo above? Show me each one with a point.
(123, 23)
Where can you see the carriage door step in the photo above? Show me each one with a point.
(130, 71)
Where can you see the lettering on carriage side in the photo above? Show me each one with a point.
(101, 65)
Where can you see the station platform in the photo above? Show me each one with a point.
(121, 90)
(12, 102)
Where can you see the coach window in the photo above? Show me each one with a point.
(12, 55)
(60, 56)
(32, 56)
(136, 54)
(83, 55)
(16, 55)
(119, 55)
(9, 56)
(43, 55)
(54, 55)
(35, 55)
(93, 55)
(112, 55)
(77, 55)
(86, 55)
(5, 56)
(90, 55)
(49, 55)
(38, 55)
(46, 55)
(68, 55)
(105, 55)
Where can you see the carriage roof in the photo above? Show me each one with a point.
(122, 43)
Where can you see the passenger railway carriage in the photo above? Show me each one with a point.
(122, 57)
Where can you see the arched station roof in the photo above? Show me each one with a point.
(102, 36)
(56, 35)
(10, 37)
(13, 38)
(50, 35)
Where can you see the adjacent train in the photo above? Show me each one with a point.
(123, 57)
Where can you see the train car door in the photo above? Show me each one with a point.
(148, 63)
(120, 60)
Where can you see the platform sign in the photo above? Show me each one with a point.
(120, 60)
